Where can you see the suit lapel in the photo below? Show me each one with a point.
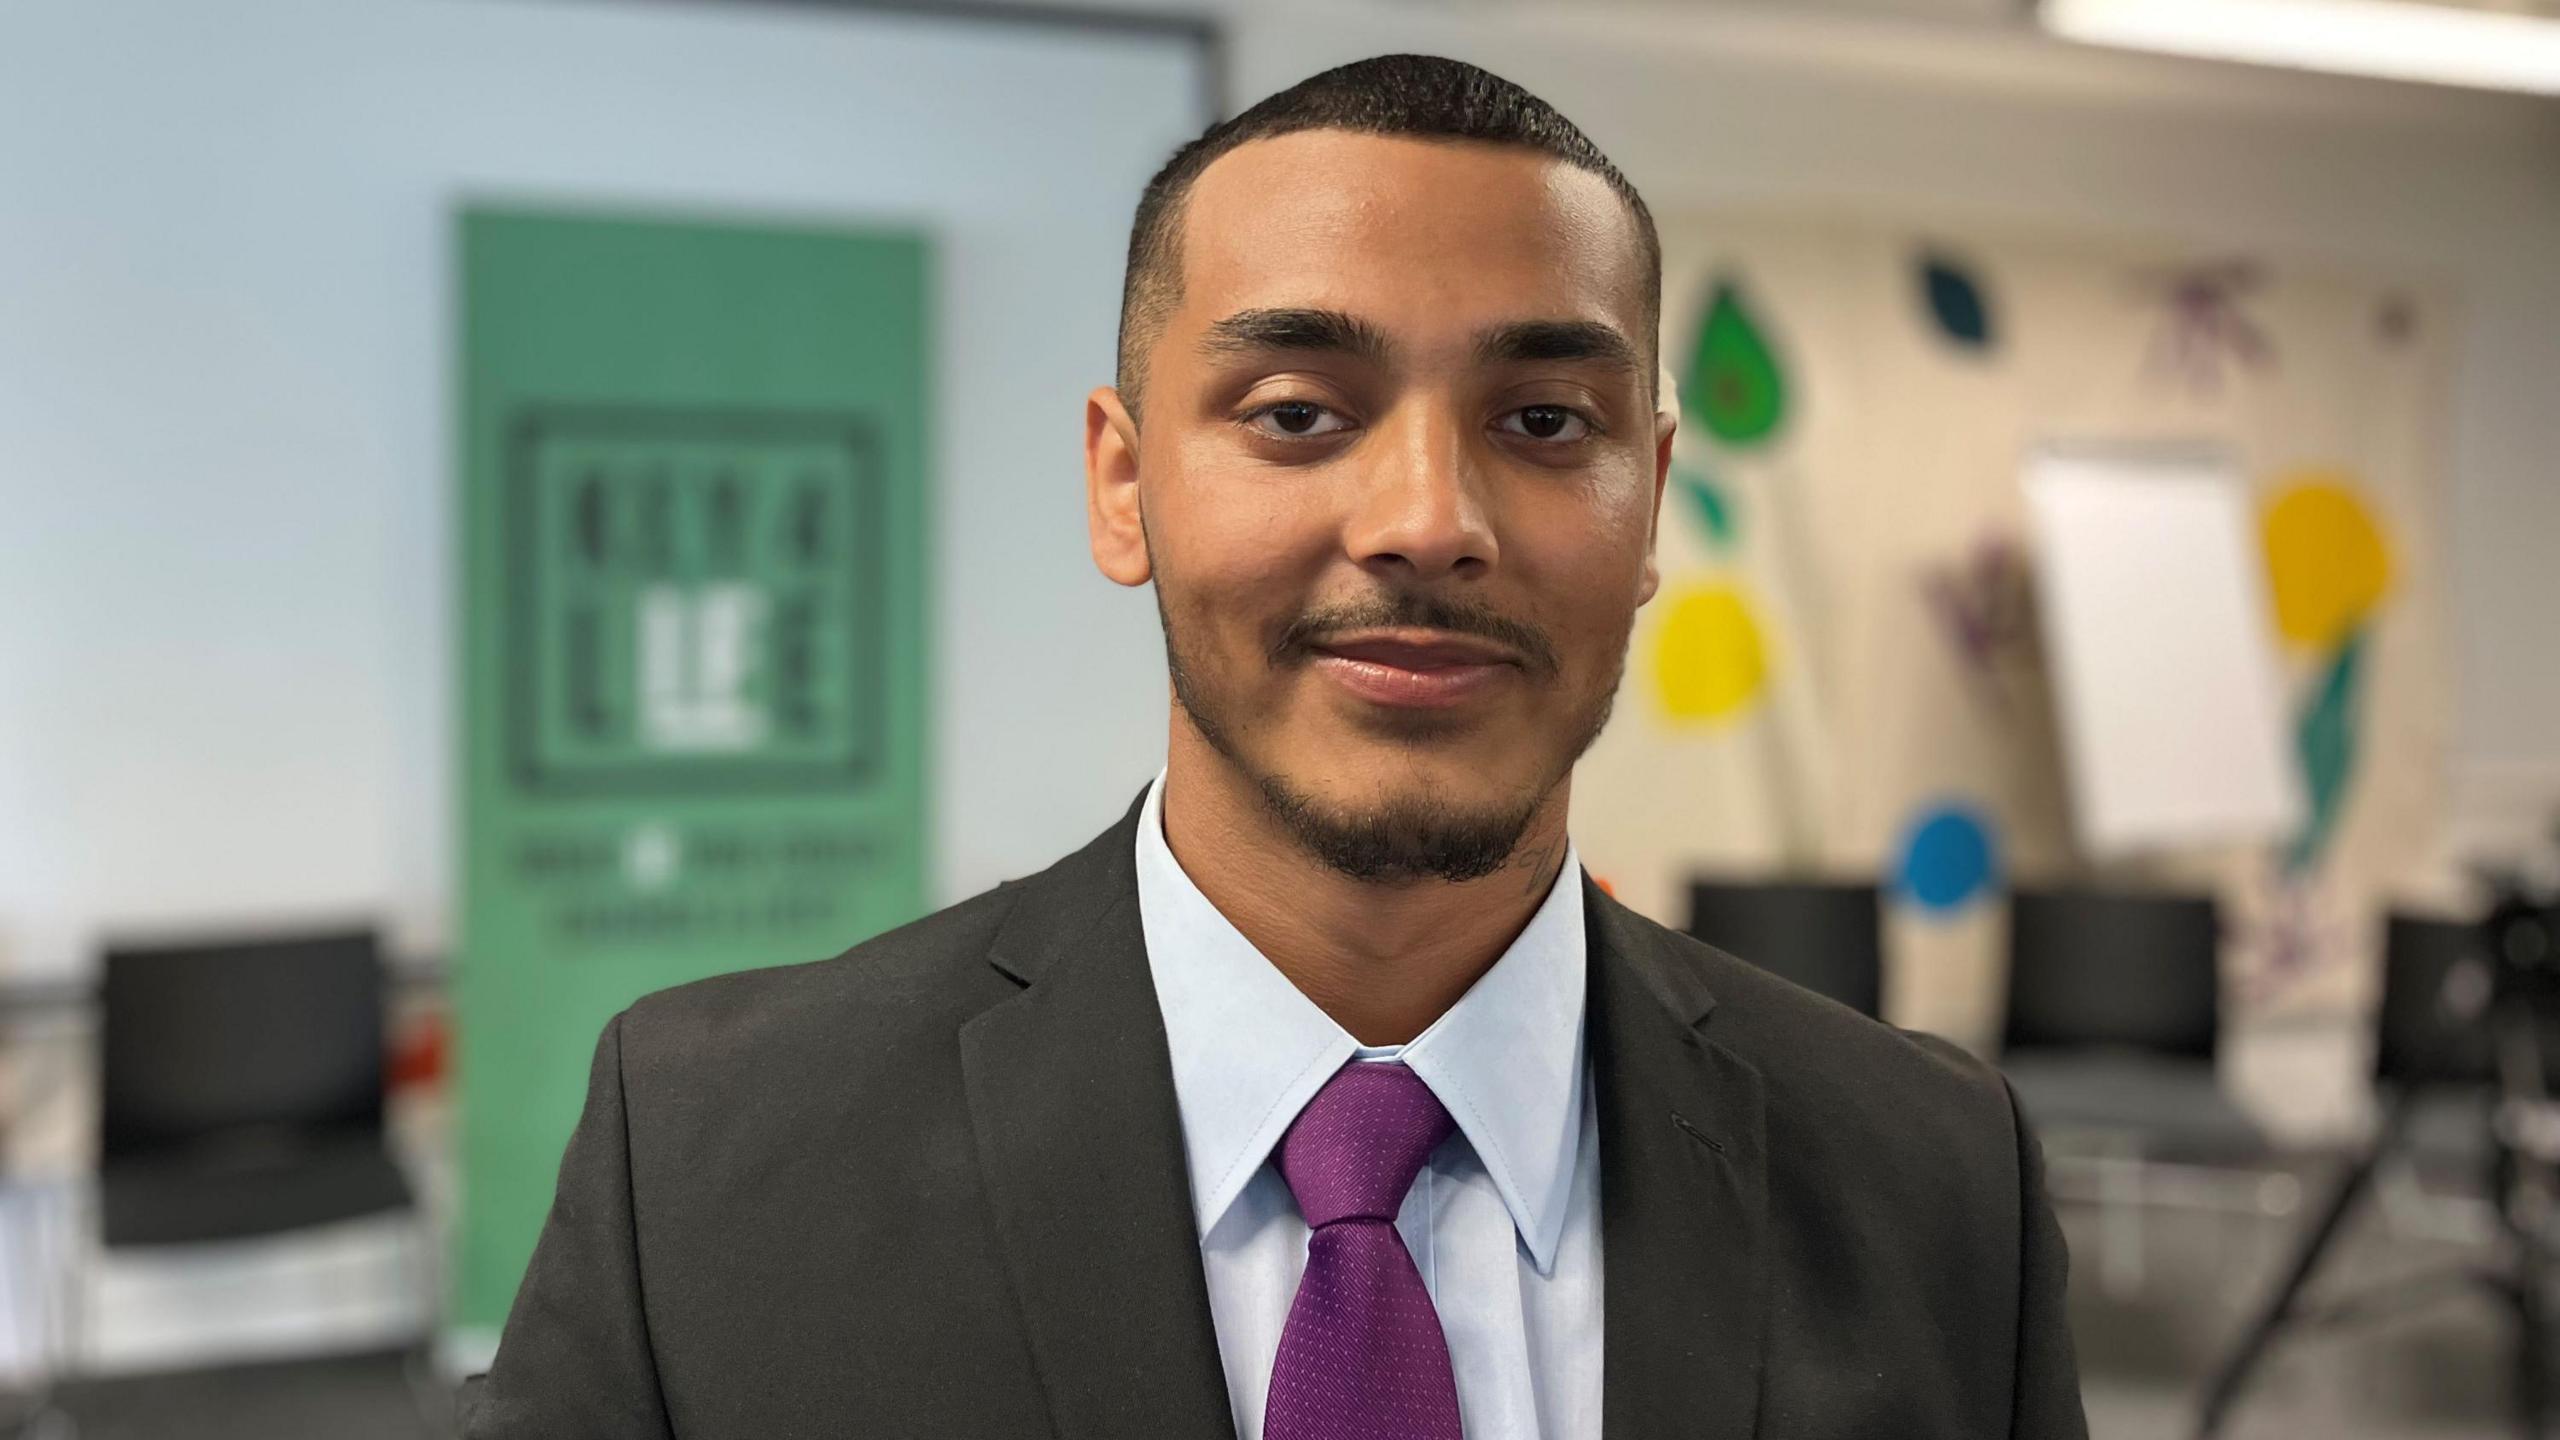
(1683, 1191)
(1071, 1098)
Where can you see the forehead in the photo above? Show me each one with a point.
(1399, 229)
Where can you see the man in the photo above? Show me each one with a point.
(1323, 1095)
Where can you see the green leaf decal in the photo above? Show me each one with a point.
(1733, 386)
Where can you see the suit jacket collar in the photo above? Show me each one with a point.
(1071, 1098)
(1683, 1190)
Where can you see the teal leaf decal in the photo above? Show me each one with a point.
(2325, 742)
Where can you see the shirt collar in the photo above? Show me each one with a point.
(1249, 1050)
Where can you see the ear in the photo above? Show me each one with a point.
(1666, 423)
(1111, 489)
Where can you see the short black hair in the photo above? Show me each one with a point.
(1417, 95)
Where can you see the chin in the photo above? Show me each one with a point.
(1399, 828)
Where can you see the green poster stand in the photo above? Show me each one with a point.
(693, 491)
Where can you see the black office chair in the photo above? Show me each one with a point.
(2114, 1014)
(1822, 936)
(241, 1089)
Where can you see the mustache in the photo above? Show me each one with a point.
(1412, 609)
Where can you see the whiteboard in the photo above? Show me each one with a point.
(226, 598)
(2154, 610)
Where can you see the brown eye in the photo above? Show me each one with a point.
(1547, 422)
(1295, 420)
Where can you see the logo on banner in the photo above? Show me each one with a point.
(689, 603)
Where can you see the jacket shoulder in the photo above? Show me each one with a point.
(926, 971)
(888, 1006)
(1830, 1071)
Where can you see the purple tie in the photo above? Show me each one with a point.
(1362, 1357)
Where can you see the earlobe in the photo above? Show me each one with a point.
(1112, 521)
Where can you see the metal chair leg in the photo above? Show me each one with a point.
(2224, 1389)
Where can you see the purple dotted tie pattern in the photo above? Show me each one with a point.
(1362, 1356)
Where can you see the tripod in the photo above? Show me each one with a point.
(2517, 1011)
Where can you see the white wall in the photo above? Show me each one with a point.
(226, 401)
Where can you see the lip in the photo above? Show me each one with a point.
(1416, 669)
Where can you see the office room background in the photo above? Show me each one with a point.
(419, 417)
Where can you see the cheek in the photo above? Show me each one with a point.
(1233, 560)
(1622, 507)
(1584, 549)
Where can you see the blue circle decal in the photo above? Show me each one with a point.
(1947, 857)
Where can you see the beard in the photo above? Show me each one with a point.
(1397, 839)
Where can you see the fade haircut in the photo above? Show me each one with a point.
(1423, 96)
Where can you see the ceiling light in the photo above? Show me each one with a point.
(2398, 39)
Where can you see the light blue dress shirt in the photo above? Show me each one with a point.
(1504, 1223)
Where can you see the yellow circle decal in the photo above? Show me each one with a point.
(2326, 558)
(1709, 659)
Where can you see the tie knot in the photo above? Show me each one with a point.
(1353, 1152)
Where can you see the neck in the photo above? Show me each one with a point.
(1384, 960)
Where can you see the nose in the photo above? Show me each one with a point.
(1421, 513)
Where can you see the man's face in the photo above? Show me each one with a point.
(1395, 484)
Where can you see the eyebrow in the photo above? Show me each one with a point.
(1534, 340)
(1251, 332)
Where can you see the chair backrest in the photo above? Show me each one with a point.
(1822, 936)
(2418, 1039)
(2415, 1042)
(202, 1041)
(2092, 968)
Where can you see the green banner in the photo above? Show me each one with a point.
(693, 475)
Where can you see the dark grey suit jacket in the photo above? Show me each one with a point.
(935, 1187)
